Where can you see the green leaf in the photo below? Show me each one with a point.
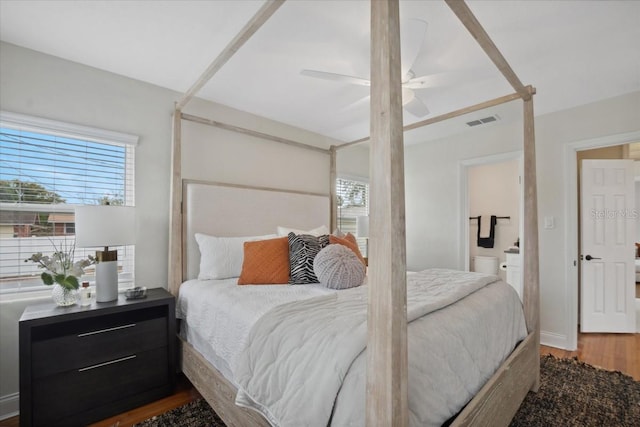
(47, 278)
(71, 282)
(67, 282)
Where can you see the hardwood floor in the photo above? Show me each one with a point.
(616, 352)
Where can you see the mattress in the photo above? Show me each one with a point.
(453, 350)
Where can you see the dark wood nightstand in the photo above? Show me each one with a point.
(83, 364)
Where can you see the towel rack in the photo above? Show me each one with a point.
(498, 217)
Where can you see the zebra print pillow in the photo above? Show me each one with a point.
(303, 248)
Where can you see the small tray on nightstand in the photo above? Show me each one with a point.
(136, 293)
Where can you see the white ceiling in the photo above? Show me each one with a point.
(573, 52)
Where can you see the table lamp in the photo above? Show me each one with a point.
(105, 225)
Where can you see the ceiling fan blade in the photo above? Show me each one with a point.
(357, 104)
(413, 104)
(431, 80)
(412, 34)
(336, 77)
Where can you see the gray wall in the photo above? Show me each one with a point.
(45, 86)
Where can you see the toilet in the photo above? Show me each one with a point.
(485, 264)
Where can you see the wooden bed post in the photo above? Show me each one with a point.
(175, 213)
(531, 272)
(333, 222)
(387, 395)
(531, 291)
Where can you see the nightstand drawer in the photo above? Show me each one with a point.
(57, 397)
(95, 342)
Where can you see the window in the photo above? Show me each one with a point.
(353, 201)
(46, 169)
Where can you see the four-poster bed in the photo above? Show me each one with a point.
(387, 372)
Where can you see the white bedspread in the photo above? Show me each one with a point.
(218, 314)
(452, 351)
(299, 356)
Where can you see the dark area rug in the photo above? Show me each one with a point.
(194, 414)
(572, 394)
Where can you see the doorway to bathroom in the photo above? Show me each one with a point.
(492, 204)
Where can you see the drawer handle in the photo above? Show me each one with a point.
(111, 362)
(86, 334)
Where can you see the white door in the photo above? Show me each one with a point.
(607, 253)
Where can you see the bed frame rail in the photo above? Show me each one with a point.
(216, 389)
(495, 404)
(498, 401)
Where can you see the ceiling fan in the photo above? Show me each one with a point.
(412, 36)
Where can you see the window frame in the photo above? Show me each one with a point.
(362, 241)
(54, 128)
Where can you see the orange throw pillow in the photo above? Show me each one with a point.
(349, 241)
(266, 262)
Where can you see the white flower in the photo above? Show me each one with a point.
(60, 266)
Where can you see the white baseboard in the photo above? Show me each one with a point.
(552, 339)
(9, 406)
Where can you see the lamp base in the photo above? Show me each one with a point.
(106, 281)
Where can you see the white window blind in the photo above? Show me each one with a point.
(353, 201)
(46, 169)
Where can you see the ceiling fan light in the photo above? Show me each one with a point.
(407, 96)
(410, 75)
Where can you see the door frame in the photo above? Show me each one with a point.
(571, 215)
(463, 220)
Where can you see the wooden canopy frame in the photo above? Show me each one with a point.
(387, 396)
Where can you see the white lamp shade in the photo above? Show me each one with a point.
(362, 226)
(104, 225)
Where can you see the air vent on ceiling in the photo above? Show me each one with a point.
(484, 120)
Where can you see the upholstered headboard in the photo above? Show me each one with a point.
(227, 210)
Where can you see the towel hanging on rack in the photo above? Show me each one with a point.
(484, 240)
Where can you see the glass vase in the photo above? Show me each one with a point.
(62, 296)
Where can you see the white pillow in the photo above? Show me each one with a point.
(320, 231)
(221, 257)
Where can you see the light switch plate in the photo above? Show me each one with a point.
(549, 222)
